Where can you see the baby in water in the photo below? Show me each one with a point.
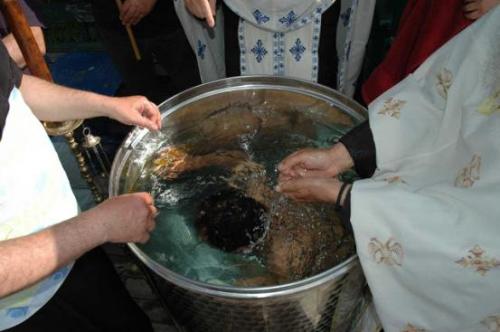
(295, 240)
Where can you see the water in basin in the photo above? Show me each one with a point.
(286, 241)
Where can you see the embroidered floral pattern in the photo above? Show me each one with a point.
(259, 50)
(289, 19)
(297, 50)
(260, 17)
(491, 104)
(492, 323)
(411, 328)
(469, 174)
(200, 49)
(394, 179)
(392, 107)
(388, 253)
(477, 260)
(443, 82)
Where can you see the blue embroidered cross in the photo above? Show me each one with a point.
(345, 16)
(297, 50)
(289, 19)
(201, 49)
(259, 50)
(260, 17)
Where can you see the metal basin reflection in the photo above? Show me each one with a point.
(265, 118)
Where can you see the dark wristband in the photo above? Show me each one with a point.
(345, 213)
(343, 187)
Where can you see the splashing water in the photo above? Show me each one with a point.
(301, 239)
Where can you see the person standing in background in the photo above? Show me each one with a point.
(162, 44)
(317, 40)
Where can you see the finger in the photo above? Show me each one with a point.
(123, 8)
(157, 114)
(147, 198)
(152, 211)
(316, 174)
(287, 161)
(158, 122)
(296, 172)
(127, 13)
(291, 161)
(136, 19)
(301, 198)
(284, 177)
(299, 170)
(208, 14)
(298, 196)
(471, 6)
(144, 122)
(144, 238)
(151, 225)
(474, 15)
(151, 112)
(136, 14)
(288, 186)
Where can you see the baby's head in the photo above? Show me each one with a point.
(231, 221)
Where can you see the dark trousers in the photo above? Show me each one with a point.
(163, 47)
(91, 299)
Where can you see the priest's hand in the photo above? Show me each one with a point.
(311, 189)
(204, 9)
(317, 163)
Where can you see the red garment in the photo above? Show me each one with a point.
(424, 27)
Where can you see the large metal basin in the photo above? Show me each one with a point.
(199, 118)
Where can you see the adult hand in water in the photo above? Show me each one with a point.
(125, 218)
(308, 189)
(204, 9)
(315, 163)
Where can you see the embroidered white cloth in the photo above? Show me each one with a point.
(427, 224)
(353, 31)
(279, 41)
(281, 38)
(34, 194)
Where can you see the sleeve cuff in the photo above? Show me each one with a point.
(361, 146)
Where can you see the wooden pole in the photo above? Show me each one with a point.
(131, 36)
(21, 30)
(35, 61)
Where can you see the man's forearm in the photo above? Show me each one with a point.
(28, 259)
(15, 52)
(52, 102)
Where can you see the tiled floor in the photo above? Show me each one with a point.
(140, 285)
